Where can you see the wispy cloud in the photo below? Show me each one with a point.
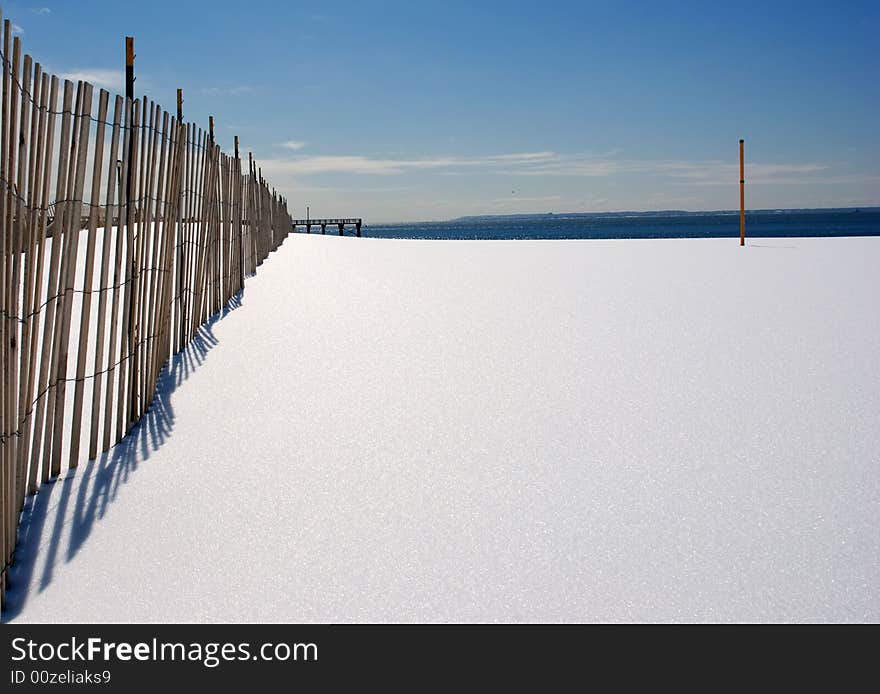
(370, 165)
(40, 10)
(721, 173)
(693, 172)
(233, 90)
(547, 164)
(99, 77)
(523, 157)
(16, 29)
(293, 144)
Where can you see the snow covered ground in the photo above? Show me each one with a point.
(496, 431)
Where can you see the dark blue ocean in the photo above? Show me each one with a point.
(642, 225)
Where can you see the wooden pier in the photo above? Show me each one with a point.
(324, 223)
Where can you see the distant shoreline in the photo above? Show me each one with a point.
(633, 213)
(662, 213)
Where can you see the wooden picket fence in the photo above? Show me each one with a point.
(120, 237)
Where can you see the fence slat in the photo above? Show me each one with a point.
(47, 134)
(157, 270)
(121, 264)
(6, 424)
(86, 309)
(13, 258)
(71, 250)
(17, 229)
(29, 280)
(126, 341)
(43, 390)
(103, 283)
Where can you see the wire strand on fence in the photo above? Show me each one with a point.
(190, 228)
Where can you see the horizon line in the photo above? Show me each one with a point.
(620, 212)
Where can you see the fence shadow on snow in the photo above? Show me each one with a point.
(93, 487)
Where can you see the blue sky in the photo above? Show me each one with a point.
(420, 110)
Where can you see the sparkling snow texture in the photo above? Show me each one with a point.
(383, 430)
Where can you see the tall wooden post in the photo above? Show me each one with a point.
(180, 106)
(129, 95)
(211, 128)
(742, 195)
(129, 67)
(238, 223)
(133, 262)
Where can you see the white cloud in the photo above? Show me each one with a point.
(547, 164)
(693, 172)
(547, 181)
(721, 173)
(368, 165)
(16, 29)
(40, 10)
(293, 144)
(98, 77)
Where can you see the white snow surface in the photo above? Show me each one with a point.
(433, 431)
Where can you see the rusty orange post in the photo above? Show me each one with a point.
(742, 195)
(129, 67)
